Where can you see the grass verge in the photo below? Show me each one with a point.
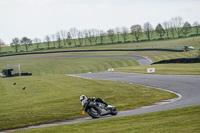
(182, 120)
(167, 69)
(56, 97)
(54, 65)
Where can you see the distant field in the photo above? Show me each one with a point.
(164, 44)
(75, 43)
(170, 44)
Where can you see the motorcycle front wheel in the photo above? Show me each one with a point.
(93, 112)
(113, 111)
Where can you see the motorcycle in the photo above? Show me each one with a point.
(96, 108)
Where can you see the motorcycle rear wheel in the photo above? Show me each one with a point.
(93, 112)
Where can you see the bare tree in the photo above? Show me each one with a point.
(171, 29)
(148, 30)
(136, 31)
(125, 33)
(118, 33)
(58, 38)
(85, 33)
(96, 34)
(102, 36)
(37, 41)
(111, 35)
(90, 36)
(74, 33)
(166, 25)
(177, 25)
(196, 26)
(15, 43)
(26, 42)
(69, 39)
(186, 28)
(47, 40)
(160, 30)
(1, 44)
(80, 38)
(53, 40)
(63, 35)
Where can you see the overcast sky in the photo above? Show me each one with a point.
(37, 18)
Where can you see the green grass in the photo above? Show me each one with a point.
(174, 55)
(153, 55)
(168, 69)
(51, 65)
(164, 44)
(52, 96)
(182, 120)
(56, 97)
(168, 44)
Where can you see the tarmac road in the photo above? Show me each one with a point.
(141, 60)
(187, 87)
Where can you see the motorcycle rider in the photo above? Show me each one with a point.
(83, 99)
(96, 107)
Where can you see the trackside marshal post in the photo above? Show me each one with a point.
(151, 70)
(111, 70)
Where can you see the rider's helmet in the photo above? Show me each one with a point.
(82, 97)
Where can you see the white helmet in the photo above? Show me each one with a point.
(82, 97)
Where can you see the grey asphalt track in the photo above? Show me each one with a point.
(187, 87)
(141, 60)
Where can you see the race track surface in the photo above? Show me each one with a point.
(140, 59)
(187, 87)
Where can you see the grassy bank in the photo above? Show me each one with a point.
(155, 56)
(182, 120)
(51, 96)
(53, 65)
(163, 44)
(56, 97)
(168, 69)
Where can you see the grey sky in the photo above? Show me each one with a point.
(37, 18)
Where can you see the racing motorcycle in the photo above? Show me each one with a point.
(96, 107)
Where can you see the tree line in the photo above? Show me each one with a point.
(173, 28)
(1, 44)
